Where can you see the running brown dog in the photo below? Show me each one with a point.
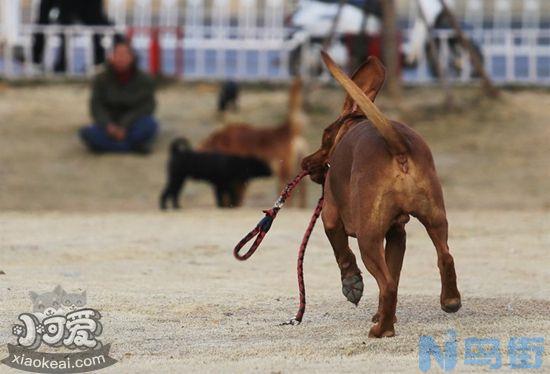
(376, 173)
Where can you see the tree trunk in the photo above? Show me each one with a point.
(390, 47)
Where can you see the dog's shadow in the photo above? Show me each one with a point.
(420, 310)
(480, 317)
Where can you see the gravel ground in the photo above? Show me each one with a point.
(174, 300)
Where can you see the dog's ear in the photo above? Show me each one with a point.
(370, 78)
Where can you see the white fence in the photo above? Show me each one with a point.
(203, 39)
(249, 40)
(513, 37)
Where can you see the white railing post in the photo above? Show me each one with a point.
(530, 18)
(69, 47)
(117, 12)
(220, 32)
(510, 57)
(248, 28)
(194, 19)
(89, 54)
(141, 24)
(195, 31)
(10, 21)
(169, 33)
(247, 19)
(35, 9)
(474, 14)
(274, 19)
(502, 16)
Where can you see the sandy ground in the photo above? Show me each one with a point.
(173, 298)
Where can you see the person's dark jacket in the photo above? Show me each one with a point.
(121, 103)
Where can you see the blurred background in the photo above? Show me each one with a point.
(488, 128)
(266, 39)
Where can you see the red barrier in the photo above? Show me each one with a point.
(154, 53)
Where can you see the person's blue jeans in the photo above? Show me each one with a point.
(139, 136)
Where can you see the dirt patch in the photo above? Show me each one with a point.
(489, 154)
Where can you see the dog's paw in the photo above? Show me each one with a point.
(352, 288)
(377, 331)
(451, 305)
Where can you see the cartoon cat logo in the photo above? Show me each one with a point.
(56, 303)
(46, 304)
(58, 320)
(73, 301)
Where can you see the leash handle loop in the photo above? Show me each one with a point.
(259, 232)
(265, 223)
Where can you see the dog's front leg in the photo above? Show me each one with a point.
(236, 193)
(352, 282)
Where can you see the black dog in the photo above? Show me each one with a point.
(229, 94)
(228, 174)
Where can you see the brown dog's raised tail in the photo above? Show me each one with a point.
(380, 122)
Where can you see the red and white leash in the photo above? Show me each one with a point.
(263, 227)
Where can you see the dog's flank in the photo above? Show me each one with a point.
(228, 174)
(381, 172)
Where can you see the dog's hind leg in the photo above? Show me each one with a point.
(372, 229)
(434, 219)
(172, 191)
(395, 251)
(176, 191)
(163, 200)
(437, 228)
(352, 282)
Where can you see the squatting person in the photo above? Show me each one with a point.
(122, 106)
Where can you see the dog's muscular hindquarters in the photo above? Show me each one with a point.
(380, 173)
(228, 174)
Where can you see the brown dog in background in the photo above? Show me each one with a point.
(378, 173)
(281, 147)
